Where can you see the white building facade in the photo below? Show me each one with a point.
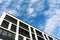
(12, 28)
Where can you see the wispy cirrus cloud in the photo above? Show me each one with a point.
(53, 15)
(51, 24)
(3, 5)
(10, 6)
(36, 7)
(31, 11)
(0, 1)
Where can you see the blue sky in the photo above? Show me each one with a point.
(42, 14)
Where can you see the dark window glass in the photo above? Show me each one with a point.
(39, 38)
(23, 25)
(33, 36)
(39, 33)
(50, 38)
(13, 28)
(27, 39)
(24, 32)
(11, 19)
(5, 24)
(1, 31)
(6, 35)
(11, 35)
(20, 38)
(32, 30)
(45, 36)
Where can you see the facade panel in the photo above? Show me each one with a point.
(5, 24)
(23, 25)
(39, 33)
(13, 28)
(33, 37)
(32, 30)
(23, 32)
(39, 38)
(11, 19)
(20, 38)
(6, 35)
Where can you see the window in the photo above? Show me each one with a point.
(20, 38)
(11, 35)
(50, 38)
(27, 39)
(45, 36)
(23, 25)
(0, 31)
(5, 24)
(32, 30)
(13, 28)
(39, 33)
(39, 38)
(24, 32)
(11, 19)
(33, 36)
(6, 35)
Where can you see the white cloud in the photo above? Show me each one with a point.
(32, 15)
(54, 4)
(33, 1)
(13, 12)
(51, 24)
(30, 10)
(6, 3)
(1, 1)
(38, 7)
(1, 13)
(55, 1)
(41, 26)
(54, 18)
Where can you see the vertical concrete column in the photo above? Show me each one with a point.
(24, 38)
(30, 32)
(44, 36)
(17, 30)
(47, 37)
(1, 39)
(9, 27)
(35, 34)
